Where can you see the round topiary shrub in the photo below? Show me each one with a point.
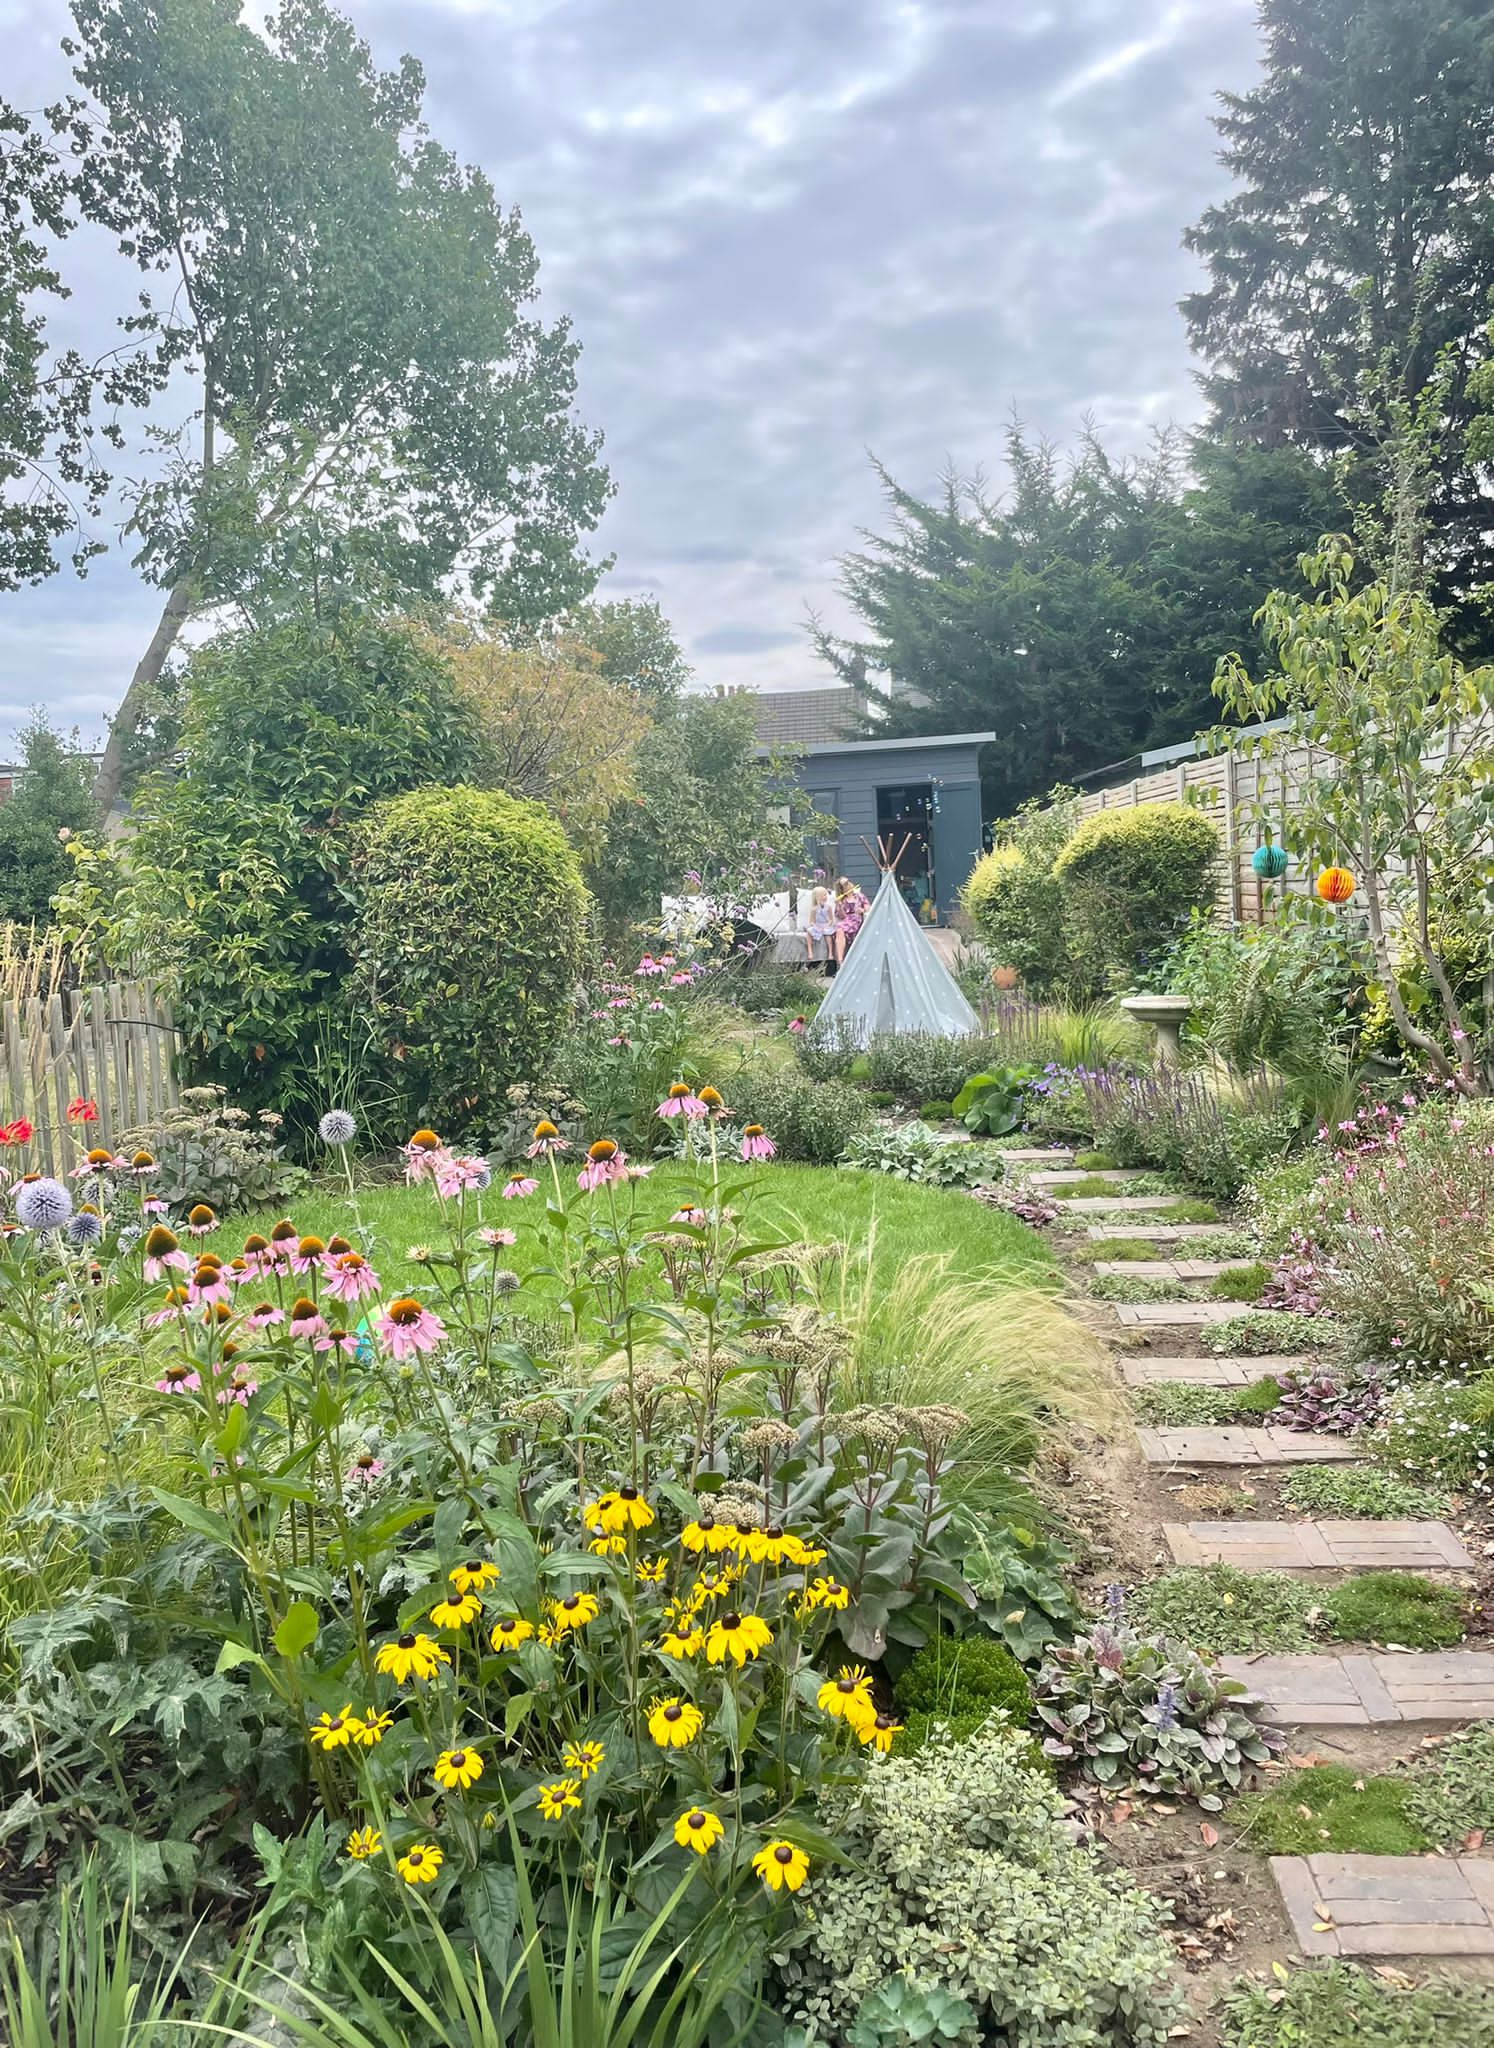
(1016, 906)
(467, 943)
(1130, 880)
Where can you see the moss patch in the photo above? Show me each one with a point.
(1333, 1810)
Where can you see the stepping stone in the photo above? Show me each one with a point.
(1066, 1177)
(1206, 1372)
(1174, 1269)
(1120, 1205)
(1244, 1446)
(1167, 1315)
(1365, 1692)
(1389, 1906)
(1157, 1233)
(1319, 1546)
(1041, 1155)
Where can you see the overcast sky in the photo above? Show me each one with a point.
(788, 232)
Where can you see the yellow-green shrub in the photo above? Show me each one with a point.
(1129, 881)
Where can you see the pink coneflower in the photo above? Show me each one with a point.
(455, 1173)
(349, 1276)
(620, 1040)
(798, 1024)
(209, 1285)
(547, 1140)
(681, 980)
(163, 1254)
(605, 1161)
(697, 1217)
(648, 965)
(306, 1319)
(177, 1301)
(656, 1006)
(518, 1185)
(681, 1100)
(365, 1469)
(339, 1340)
(407, 1327)
(202, 1219)
(154, 1206)
(756, 1144)
(307, 1254)
(421, 1154)
(621, 1003)
(99, 1160)
(494, 1238)
(237, 1387)
(263, 1316)
(179, 1379)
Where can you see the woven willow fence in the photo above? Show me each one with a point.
(114, 1044)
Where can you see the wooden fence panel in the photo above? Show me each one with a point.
(115, 1044)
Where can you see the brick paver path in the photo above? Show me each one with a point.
(1362, 1692)
(1157, 1233)
(1175, 1269)
(1039, 1155)
(1319, 1546)
(1206, 1372)
(1268, 1446)
(1066, 1176)
(1391, 1906)
(1121, 1205)
(1167, 1315)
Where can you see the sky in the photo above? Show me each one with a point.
(790, 234)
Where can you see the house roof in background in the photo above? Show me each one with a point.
(804, 718)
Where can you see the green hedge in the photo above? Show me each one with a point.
(469, 939)
(1130, 880)
(1014, 900)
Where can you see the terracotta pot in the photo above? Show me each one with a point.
(1005, 977)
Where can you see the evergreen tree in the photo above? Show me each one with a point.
(53, 796)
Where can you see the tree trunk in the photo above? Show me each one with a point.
(174, 616)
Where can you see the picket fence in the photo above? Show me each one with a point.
(114, 1044)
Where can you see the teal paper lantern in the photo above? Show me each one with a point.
(1269, 861)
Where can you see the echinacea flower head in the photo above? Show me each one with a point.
(674, 1722)
(517, 1186)
(738, 1636)
(475, 1575)
(202, 1217)
(496, 1239)
(681, 1100)
(337, 1127)
(848, 1698)
(699, 1829)
(44, 1204)
(878, 1733)
(713, 1100)
(306, 1319)
(547, 1141)
(337, 1731)
(781, 1866)
(457, 1769)
(99, 1160)
(574, 1611)
(365, 1469)
(143, 1162)
(456, 1613)
(421, 1863)
(557, 1799)
(756, 1144)
(424, 1141)
(508, 1633)
(364, 1842)
(406, 1327)
(179, 1379)
(605, 1161)
(240, 1386)
(584, 1759)
(348, 1276)
(411, 1655)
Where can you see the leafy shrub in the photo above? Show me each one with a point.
(1332, 1809)
(208, 1151)
(962, 1875)
(957, 1678)
(1441, 1431)
(1395, 1607)
(1360, 1492)
(762, 990)
(1023, 1033)
(881, 1098)
(1130, 880)
(1019, 1577)
(911, 1153)
(1095, 1162)
(1338, 1403)
(1281, 1201)
(1189, 1210)
(1262, 1332)
(471, 925)
(1014, 899)
(1142, 1712)
(1220, 1610)
(990, 1104)
(1334, 2005)
(830, 1053)
(917, 1066)
(1452, 1787)
(1178, 1122)
(812, 1120)
(936, 1112)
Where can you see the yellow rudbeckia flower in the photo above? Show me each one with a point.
(365, 1842)
(879, 1732)
(781, 1864)
(583, 1758)
(411, 1655)
(554, 1800)
(374, 1725)
(336, 1731)
(510, 1632)
(674, 1722)
(738, 1636)
(475, 1575)
(706, 1533)
(456, 1613)
(575, 1611)
(681, 1643)
(420, 1864)
(848, 1698)
(457, 1769)
(699, 1830)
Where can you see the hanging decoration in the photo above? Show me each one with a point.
(1335, 885)
(1269, 861)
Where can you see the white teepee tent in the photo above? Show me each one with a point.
(893, 980)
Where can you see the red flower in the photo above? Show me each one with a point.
(18, 1133)
(82, 1110)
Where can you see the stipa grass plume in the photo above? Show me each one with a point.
(926, 1333)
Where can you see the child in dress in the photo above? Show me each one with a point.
(850, 908)
(819, 933)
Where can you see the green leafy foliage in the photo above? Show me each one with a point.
(1181, 1405)
(1361, 1493)
(53, 796)
(1130, 880)
(990, 1104)
(1263, 1333)
(207, 1151)
(1452, 1787)
(809, 1120)
(1439, 1430)
(470, 933)
(1240, 1283)
(1014, 900)
(958, 1682)
(912, 1153)
(961, 1875)
(1220, 1610)
(935, 1112)
(1335, 2005)
(1021, 1577)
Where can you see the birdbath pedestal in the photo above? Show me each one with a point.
(1165, 1014)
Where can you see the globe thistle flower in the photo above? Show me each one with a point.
(85, 1229)
(337, 1127)
(43, 1204)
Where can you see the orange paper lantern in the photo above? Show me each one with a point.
(1335, 885)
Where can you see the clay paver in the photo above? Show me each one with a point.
(1067, 1176)
(1362, 1692)
(1157, 1233)
(1164, 1315)
(1206, 1372)
(1172, 1269)
(1122, 1205)
(1230, 1446)
(1319, 1546)
(1390, 1906)
(1041, 1155)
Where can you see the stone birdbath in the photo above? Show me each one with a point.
(1165, 1014)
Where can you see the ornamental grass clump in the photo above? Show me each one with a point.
(961, 1874)
(1143, 1713)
